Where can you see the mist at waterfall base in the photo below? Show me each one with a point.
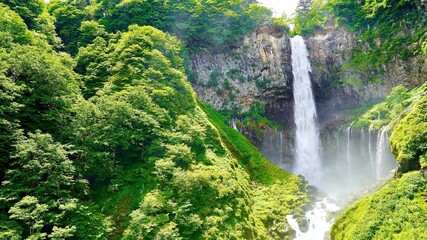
(354, 160)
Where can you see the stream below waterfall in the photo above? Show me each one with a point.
(319, 220)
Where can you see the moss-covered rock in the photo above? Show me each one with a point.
(409, 137)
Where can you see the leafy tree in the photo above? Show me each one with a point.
(46, 26)
(31, 213)
(304, 7)
(69, 15)
(12, 28)
(89, 30)
(116, 129)
(310, 16)
(9, 91)
(48, 87)
(41, 168)
(141, 12)
(41, 184)
(93, 64)
(29, 10)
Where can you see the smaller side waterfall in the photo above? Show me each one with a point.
(383, 167)
(233, 123)
(371, 157)
(349, 154)
(356, 158)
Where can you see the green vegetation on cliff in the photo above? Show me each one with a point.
(396, 211)
(387, 30)
(199, 24)
(409, 137)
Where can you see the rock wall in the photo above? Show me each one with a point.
(259, 70)
(338, 88)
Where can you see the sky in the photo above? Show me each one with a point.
(279, 6)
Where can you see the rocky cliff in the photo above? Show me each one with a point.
(259, 70)
(339, 86)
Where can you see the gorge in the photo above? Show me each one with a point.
(213, 119)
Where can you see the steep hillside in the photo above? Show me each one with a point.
(136, 155)
(396, 211)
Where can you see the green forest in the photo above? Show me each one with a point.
(103, 137)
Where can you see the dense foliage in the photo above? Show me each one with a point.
(409, 137)
(113, 143)
(396, 211)
(200, 24)
(390, 110)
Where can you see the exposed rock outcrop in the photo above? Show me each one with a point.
(259, 70)
(337, 86)
(276, 145)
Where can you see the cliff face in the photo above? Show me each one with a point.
(259, 70)
(338, 87)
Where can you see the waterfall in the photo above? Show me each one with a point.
(281, 145)
(307, 143)
(379, 153)
(371, 158)
(318, 219)
(383, 154)
(349, 154)
(233, 123)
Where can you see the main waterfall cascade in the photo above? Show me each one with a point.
(345, 161)
(307, 142)
(353, 160)
(345, 172)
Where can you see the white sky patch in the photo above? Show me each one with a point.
(280, 6)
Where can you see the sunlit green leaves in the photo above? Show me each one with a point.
(12, 28)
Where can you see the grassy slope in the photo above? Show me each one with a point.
(249, 157)
(274, 193)
(396, 211)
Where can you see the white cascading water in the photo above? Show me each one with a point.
(349, 154)
(307, 143)
(318, 220)
(371, 158)
(233, 123)
(383, 166)
(281, 144)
